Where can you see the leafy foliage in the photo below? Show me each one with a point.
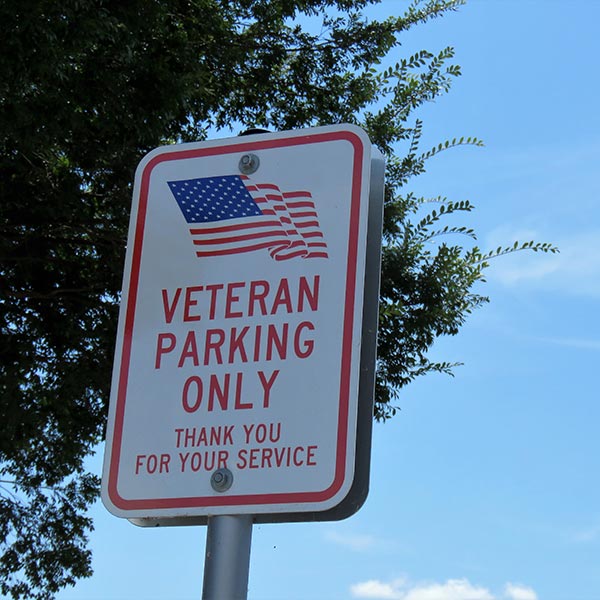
(87, 87)
(45, 534)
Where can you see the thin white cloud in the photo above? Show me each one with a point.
(353, 541)
(575, 270)
(452, 589)
(379, 590)
(519, 592)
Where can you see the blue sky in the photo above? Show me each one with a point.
(485, 486)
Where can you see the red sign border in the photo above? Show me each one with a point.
(345, 372)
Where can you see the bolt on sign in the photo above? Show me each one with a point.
(243, 377)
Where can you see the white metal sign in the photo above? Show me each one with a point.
(236, 375)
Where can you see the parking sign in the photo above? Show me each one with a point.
(240, 358)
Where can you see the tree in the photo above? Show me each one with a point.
(87, 87)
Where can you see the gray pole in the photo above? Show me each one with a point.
(227, 560)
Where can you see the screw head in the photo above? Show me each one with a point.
(221, 480)
(248, 164)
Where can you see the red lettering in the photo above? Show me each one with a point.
(280, 343)
(267, 453)
(213, 436)
(218, 392)
(298, 461)
(274, 434)
(310, 456)
(308, 346)
(242, 462)
(256, 354)
(190, 350)
(170, 308)
(236, 344)
(189, 302)
(267, 385)
(239, 405)
(201, 439)
(280, 455)
(139, 459)
(228, 434)
(232, 299)
(194, 405)
(256, 296)
(178, 431)
(215, 346)
(207, 460)
(213, 289)
(152, 463)
(209, 465)
(282, 297)
(183, 458)
(248, 431)
(223, 458)
(261, 433)
(164, 463)
(311, 296)
(161, 349)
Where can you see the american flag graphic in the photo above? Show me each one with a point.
(230, 214)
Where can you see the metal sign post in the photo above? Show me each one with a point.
(244, 367)
(227, 559)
